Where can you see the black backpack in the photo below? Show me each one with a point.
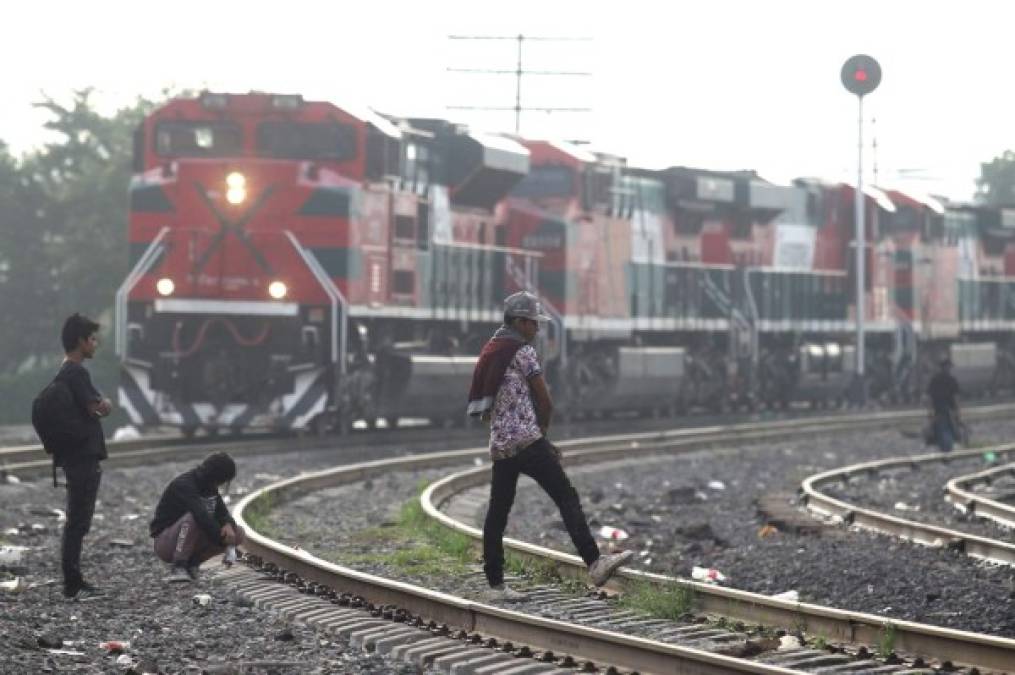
(57, 420)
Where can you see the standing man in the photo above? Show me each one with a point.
(81, 462)
(943, 392)
(510, 392)
(191, 522)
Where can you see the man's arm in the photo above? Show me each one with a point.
(86, 396)
(186, 492)
(541, 401)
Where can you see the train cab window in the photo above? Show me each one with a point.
(546, 181)
(331, 141)
(198, 139)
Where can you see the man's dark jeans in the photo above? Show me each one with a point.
(82, 488)
(538, 461)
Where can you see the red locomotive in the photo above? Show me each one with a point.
(299, 264)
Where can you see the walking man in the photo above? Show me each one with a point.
(943, 392)
(80, 453)
(192, 523)
(510, 392)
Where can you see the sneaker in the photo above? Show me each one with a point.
(83, 594)
(603, 568)
(504, 593)
(179, 574)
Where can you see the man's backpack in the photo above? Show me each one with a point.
(57, 420)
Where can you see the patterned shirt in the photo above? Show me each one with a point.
(513, 424)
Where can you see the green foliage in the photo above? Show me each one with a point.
(996, 184)
(664, 601)
(256, 514)
(886, 645)
(63, 243)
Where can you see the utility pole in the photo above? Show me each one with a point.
(518, 72)
(861, 75)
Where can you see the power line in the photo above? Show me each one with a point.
(518, 72)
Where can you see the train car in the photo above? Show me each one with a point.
(298, 264)
(291, 259)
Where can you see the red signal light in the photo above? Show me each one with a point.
(860, 75)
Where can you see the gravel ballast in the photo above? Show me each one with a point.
(700, 510)
(167, 631)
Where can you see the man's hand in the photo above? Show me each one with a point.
(228, 534)
(101, 408)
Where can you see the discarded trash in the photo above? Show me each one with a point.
(990, 457)
(709, 575)
(114, 646)
(61, 516)
(38, 528)
(12, 479)
(230, 556)
(11, 532)
(124, 661)
(65, 652)
(477, 461)
(130, 516)
(716, 485)
(903, 506)
(202, 599)
(126, 433)
(121, 543)
(12, 555)
(792, 596)
(613, 533)
(11, 585)
(789, 642)
(767, 531)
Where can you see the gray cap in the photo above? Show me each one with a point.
(524, 305)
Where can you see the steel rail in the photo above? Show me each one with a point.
(983, 651)
(981, 505)
(593, 644)
(992, 550)
(599, 646)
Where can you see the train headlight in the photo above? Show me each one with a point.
(165, 286)
(236, 188)
(277, 290)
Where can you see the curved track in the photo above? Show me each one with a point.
(603, 647)
(962, 492)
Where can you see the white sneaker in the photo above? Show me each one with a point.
(503, 593)
(602, 569)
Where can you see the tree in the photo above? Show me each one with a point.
(63, 225)
(996, 184)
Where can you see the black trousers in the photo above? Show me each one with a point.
(539, 462)
(82, 488)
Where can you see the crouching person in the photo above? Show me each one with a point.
(192, 523)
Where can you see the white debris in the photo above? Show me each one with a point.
(709, 575)
(59, 514)
(12, 479)
(12, 555)
(11, 585)
(716, 485)
(202, 599)
(130, 516)
(789, 642)
(903, 506)
(792, 596)
(11, 532)
(126, 433)
(612, 533)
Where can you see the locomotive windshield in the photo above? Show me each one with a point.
(198, 139)
(546, 181)
(306, 140)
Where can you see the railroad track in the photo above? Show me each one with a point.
(993, 550)
(448, 631)
(962, 492)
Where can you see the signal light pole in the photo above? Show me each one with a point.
(861, 75)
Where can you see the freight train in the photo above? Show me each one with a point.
(303, 265)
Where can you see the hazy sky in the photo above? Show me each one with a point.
(720, 84)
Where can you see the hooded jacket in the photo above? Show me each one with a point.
(196, 491)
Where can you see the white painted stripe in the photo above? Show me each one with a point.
(250, 307)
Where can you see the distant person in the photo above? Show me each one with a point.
(191, 522)
(943, 392)
(67, 417)
(509, 391)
